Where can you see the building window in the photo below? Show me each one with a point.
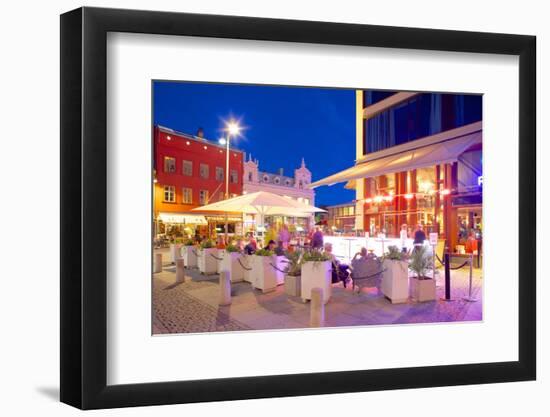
(266, 178)
(306, 200)
(219, 174)
(250, 176)
(234, 176)
(277, 180)
(187, 196)
(169, 194)
(203, 197)
(287, 182)
(169, 164)
(204, 171)
(188, 168)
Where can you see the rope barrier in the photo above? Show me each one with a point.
(452, 268)
(195, 252)
(461, 266)
(215, 257)
(276, 268)
(242, 266)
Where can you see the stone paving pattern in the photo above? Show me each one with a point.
(192, 306)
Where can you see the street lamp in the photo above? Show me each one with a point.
(232, 128)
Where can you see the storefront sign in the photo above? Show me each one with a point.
(467, 200)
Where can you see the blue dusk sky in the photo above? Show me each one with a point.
(282, 125)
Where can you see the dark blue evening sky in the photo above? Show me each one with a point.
(283, 124)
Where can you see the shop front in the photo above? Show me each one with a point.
(169, 226)
(435, 182)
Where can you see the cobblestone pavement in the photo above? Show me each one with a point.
(192, 306)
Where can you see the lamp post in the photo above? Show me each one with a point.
(232, 129)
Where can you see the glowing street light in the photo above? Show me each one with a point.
(233, 129)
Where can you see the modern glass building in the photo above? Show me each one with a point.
(418, 161)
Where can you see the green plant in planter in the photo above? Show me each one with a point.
(232, 249)
(264, 252)
(395, 254)
(294, 263)
(316, 256)
(421, 262)
(189, 242)
(207, 244)
(178, 240)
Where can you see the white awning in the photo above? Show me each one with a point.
(182, 218)
(445, 151)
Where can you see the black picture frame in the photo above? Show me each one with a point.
(84, 207)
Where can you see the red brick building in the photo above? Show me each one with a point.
(190, 172)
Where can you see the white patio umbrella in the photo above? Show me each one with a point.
(261, 202)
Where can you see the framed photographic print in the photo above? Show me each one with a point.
(258, 208)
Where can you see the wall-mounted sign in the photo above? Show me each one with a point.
(433, 239)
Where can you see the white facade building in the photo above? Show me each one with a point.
(296, 187)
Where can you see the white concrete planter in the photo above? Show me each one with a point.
(221, 255)
(317, 275)
(422, 289)
(293, 285)
(208, 265)
(175, 252)
(246, 261)
(230, 263)
(395, 281)
(190, 256)
(263, 274)
(282, 264)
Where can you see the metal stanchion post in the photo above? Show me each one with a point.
(470, 298)
(447, 260)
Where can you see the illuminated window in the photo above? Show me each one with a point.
(187, 196)
(204, 171)
(219, 174)
(234, 178)
(188, 168)
(169, 194)
(203, 197)
(169, 164)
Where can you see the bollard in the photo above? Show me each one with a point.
(447, 277)
(225, 288)
(317, 312)
(157, 265)
(180, 270)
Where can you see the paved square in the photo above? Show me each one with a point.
(192, 306)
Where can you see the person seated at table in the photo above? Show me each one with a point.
(221, 243)
(340, 271)
(362, 254)
(251, 246)
(279, 249)
(271, 245)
